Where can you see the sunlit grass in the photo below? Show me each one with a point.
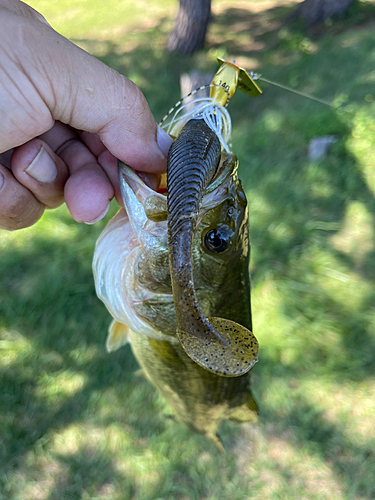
(94, 19)
(76, 423)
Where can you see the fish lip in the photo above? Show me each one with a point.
(133, 180)
(134, 193)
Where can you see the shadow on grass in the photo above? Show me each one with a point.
(296, 207)
(351, 463)
(88, 472)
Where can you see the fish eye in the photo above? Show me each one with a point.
(217, 240)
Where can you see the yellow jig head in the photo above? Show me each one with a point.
(228, 78)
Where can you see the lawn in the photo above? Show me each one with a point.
(76, 423)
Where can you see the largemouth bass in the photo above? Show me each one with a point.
(175, 278)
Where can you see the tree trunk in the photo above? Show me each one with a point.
(314, 11)
(191, 26)
(191, 81)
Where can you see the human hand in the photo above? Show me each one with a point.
(65, 117)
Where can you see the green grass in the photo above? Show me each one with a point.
(75, 422)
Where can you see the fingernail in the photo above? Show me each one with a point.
(1, 180)
(103, 214)
(164, 141)
(42, 168)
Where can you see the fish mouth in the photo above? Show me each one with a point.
(147, 208)
(137, 197)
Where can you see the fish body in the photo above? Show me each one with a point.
(200, 399)
(132, 277)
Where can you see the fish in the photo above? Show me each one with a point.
(132, 277)
(174, 274)
(174, 271)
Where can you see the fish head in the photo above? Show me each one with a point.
(220, 253)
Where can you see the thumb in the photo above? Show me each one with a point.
(81, 91)
(109, 105)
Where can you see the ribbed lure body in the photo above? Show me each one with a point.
(217, 344)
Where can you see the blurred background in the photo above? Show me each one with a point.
(76, 424)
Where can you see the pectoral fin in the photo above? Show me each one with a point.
(118, 335)
(248, 412)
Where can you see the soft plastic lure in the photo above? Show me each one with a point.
(217, 344)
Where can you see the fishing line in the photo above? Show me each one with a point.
(178, 103)
(321, 101)
(257, 76)
(208, 109)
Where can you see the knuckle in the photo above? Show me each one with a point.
(135, 101)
